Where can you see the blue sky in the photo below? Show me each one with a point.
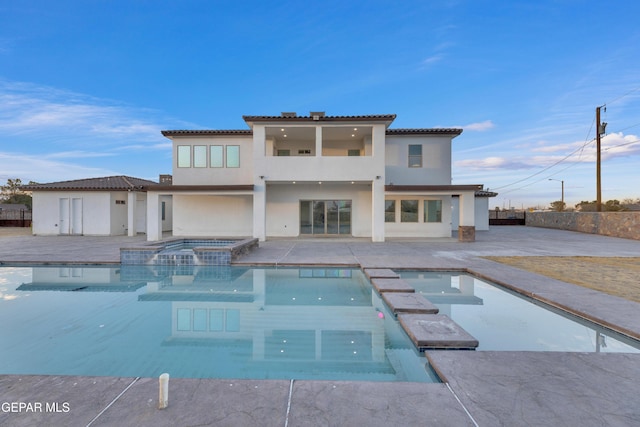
(86, 86)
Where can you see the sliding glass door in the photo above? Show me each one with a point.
(325, 217)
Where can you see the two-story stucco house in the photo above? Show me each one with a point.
(315, 175)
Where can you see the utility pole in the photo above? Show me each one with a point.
(600, 128)
(562, 195)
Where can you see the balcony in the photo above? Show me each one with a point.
(321, 168)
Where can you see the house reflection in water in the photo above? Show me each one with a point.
(445, 289)
(322, 315)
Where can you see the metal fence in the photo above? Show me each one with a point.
(15, 218)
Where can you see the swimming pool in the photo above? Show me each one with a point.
(237, 322)
(201, 322)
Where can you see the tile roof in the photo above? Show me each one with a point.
(210, 132)
(486, 193)
(108, 183)
(425, 131)
(320, 118)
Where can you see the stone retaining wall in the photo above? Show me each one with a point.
(615, 224)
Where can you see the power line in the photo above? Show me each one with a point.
(622, 96)
(548, 167)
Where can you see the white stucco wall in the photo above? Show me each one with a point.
(96, 212)
(436, 160)
(167, 223)
(119, 221)
(209, 215)
(215, 176)
(481, 213)
(283, 206)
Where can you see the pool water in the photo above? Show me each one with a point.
(258, 323)
(504, 321)
(201, 322)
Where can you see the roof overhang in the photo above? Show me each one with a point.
(386, 119)
(209, 132)
(425, 131)
(432, 188)
(202, 188)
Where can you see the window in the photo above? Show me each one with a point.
(433, 211)
(305, 152)
(353, 153)
(389, 211)
(409, 211)
(216, 155)
(199, 156)
(415, 156)
(284, 153)
(164, 210)
(184, 156)
(233, 156)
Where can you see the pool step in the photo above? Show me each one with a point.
(436, 331)
(391, 285)
(380, 273)
(408, 302)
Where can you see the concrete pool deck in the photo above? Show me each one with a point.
(481, 388)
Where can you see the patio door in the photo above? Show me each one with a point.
(325, 217)
(70, 215)
(63, 216)
(76, 216)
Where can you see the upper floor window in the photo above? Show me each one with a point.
(199, 156)
(415, 156)
(353, 153)
(184, 156)
(233, 156)
(216, 156)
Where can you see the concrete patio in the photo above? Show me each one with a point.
(480, 388)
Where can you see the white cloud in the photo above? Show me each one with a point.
(479, 126)
(431, 60)
(54, 115)
(614, 145)
(42, 169)
(75, 155)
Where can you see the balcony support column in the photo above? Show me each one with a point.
(377, 210)
(318, 141)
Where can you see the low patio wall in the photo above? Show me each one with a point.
(615, 224)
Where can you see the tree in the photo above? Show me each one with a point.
(558, 206)
(11, 193)
(609, 206)
(586, 206)
(613, 206)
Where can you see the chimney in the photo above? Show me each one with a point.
(288, 114)
(316, 114)
(166, 179)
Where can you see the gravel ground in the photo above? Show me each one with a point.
(619, 276)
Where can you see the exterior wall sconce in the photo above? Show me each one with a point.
(378, 177)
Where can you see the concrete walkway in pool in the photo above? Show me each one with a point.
(481, 388)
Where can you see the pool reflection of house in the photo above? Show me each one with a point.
(335, 322)
(444, 289)
(79, 279)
